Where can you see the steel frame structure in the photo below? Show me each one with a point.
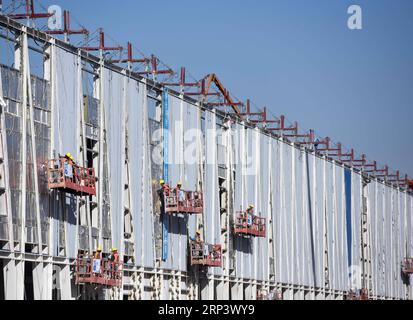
(157, 275)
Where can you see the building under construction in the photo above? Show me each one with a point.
(249, 208)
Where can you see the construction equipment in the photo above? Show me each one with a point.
(407, 266)
(203, 254)
(185, 202)
(98, 271)
(64, 175)
(248, 224)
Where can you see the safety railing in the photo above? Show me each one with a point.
(186, 202)
(251, 225)
(407, 266)
(98, 271)
(63, 174)
(205, 255)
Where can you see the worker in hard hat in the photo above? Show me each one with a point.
(180, 193)
(98, 253)
(97, 261)
(250, 214)
(68, 165)
(197, 246)
(114, 261)
(165, 187)
(163, 191)
(114, 255)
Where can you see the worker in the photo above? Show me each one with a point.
(198, 250)
(165, 187)
(114, 261)
(98, 253)
(250, 215)
(68, 165)
(114, 256)
(180, 193)
(163, 192)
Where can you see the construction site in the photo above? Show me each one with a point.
(123, 179)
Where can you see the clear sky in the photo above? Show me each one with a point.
(295, 56)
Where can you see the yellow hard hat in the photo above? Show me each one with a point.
(99, 248)
(114, 249)
(251, 206)
(161, 182)
(198, 232)
(179, 183)
(69, 155)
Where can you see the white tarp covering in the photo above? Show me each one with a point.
(114, 110)
(140, 179)
(184, 161)
(212, 221)
(67, 95)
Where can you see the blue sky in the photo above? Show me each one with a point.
(296, 57)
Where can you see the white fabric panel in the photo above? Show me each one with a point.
(240, 201)
(66, 110)
(397, 245)
(319, 221)
(66, 127)
(287, 230)
(211, 211)
(381, 236)
(308, 223)
(114, 106)
(331, 224)
(176, 174)
(184, 159)
(296, 215)
(389, 236)
(372, 217)
(135, 106)
(356, 219)
(276, 207)
(264, 194)
(148, 223)
(193, 160)
(341, 253)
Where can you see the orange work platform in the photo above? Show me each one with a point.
(98, 271)
(203, 254)
(186, 202)
(64, 175)
(250, 225)
(407, 266)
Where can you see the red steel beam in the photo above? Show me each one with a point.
(66, 27)
(30, 13)
(130, 58)
(182, 82)
(154, 69)
(102, 46)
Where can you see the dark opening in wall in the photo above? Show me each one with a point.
(2, 282)
(28, 281)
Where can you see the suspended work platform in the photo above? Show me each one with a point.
(64, 175)
(98, 271)
(185, 202)
(248, 224)
(203, 254)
